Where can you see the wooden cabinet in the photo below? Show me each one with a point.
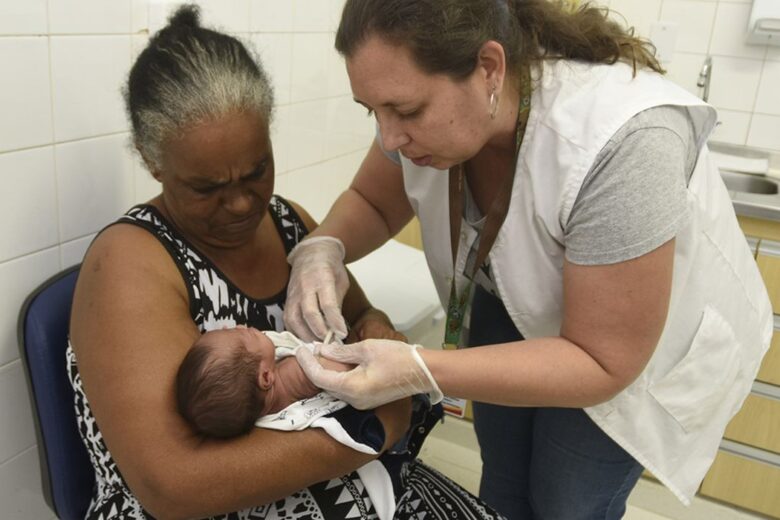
(757, 423)
(768, 260)
(759, 228)
(770, 367)
(745, 482)
(411, 234)
(746, 472)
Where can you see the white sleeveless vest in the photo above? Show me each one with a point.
(719, 326)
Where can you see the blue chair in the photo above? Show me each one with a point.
(66, 472)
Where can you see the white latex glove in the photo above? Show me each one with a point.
(318, 283)
(387, 371)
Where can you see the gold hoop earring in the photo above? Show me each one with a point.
(493, 104)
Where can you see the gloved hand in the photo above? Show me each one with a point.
(318, 283)
(388, 370)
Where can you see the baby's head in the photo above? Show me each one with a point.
(223, 381)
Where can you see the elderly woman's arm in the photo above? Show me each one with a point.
(130, 330)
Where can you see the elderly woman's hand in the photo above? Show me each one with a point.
(373, 324)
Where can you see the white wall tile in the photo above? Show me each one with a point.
(19, 278)
(317, 187)
(696, 21)
(25, 95)
(768, 100)
(637, 14)
(271, 15)
(312, 16)
(336, 7)
(21, 497)
(348, 128)
(275, 51)
(72, 253)
(27, 17)
(31, 204)
(732, 127)
(87, 74)
(231, 16)
(728, 36)
(89, 17)
(310, 61)
(764, 132)
(773, 54)
(96, 184)
(17, 432)
(282, 139)
(138, 43)
(158, 12)
(307, 133)
(146, 186)
(311, 188)
(734, 83)
(139, 16)
(684, 70)
(338, 79)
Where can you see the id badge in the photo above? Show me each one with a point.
(456, 313)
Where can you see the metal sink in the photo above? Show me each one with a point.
(746, 183)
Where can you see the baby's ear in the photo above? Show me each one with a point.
(265, 379)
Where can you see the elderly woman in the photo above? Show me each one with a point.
(209, 252)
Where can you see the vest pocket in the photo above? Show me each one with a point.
(694, 389)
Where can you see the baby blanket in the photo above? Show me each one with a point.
(359, 430)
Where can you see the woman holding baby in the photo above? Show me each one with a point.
(209, 252)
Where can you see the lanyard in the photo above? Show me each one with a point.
(456, 308)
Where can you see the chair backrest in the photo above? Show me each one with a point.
(66, 472)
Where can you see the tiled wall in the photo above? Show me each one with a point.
(745, 83)
(66, 167)
(65, 163)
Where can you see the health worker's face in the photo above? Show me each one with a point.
(218, 178)
(430, 118)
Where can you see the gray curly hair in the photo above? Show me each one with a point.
(186, 75)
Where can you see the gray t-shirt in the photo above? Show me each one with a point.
(633, 199)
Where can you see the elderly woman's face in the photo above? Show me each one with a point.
(431, 119)
(218, 178)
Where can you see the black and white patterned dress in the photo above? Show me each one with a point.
(215, 301)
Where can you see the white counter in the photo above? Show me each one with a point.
(396, 280)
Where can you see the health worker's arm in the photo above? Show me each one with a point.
(373, 210)
(613, 319)
(130, 329)
(365, 321)
(364, 217)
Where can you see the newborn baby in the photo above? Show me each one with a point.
(231, 377)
